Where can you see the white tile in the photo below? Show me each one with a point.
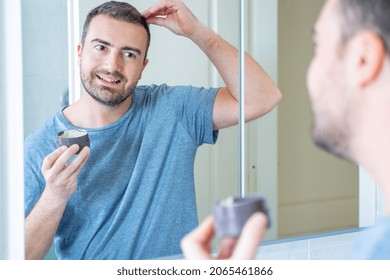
(332, 240)
(332, 246)
(331, 252)
(291, 255)
(289, 250)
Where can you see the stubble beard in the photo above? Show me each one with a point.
(333, 139)
(103, 94)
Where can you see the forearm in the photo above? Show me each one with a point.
(41, 225)
(261, 93)
(222, 54)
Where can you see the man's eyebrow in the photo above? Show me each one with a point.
(111, 45)
(101, 42)
(132, 49)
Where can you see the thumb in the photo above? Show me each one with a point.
(251, 236)
(161, 21)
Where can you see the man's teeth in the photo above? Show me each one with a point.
(109, 80)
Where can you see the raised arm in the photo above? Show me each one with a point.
(261, 93)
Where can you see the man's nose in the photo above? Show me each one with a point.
(113, 62)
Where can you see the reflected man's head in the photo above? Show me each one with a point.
(120, 11)
(112, 55)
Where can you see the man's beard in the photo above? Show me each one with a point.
(97, 92)
(334, 140)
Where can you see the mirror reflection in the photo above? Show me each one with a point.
(301, 183)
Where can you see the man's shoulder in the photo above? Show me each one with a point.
(42, 130)
(161, 89)
(43, 135)
(156, 95)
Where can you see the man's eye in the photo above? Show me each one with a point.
(129, 54)
(100, 47)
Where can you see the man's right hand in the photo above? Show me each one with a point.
(61, 182)
(60, 174)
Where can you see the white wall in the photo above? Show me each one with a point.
(2, 143)
(45, 59)
(11, 125)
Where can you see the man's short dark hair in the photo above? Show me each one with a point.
(373, 15)
(119, 11)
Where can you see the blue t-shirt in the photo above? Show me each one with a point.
(135, 197)
(374, 242)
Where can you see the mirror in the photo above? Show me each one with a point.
(308, 190)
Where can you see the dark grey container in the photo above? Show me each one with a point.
(230, 219)
(65, 138)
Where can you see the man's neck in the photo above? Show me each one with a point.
(374, 156)
(88, 113)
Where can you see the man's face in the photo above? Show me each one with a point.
(112, 59)
(329, 91)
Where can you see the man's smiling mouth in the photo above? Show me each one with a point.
(108, 79)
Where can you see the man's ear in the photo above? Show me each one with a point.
(367, 54)
(146, 61)
(79, 49)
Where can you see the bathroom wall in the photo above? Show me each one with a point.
(317, 191)
(45, 59)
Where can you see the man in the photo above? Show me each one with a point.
(131, 195)
(349, 89)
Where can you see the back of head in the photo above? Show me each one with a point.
(373, 15)
(119, 11)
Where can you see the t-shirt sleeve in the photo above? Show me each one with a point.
(194, 108)
(33, 179)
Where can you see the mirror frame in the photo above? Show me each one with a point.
(12, 149)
